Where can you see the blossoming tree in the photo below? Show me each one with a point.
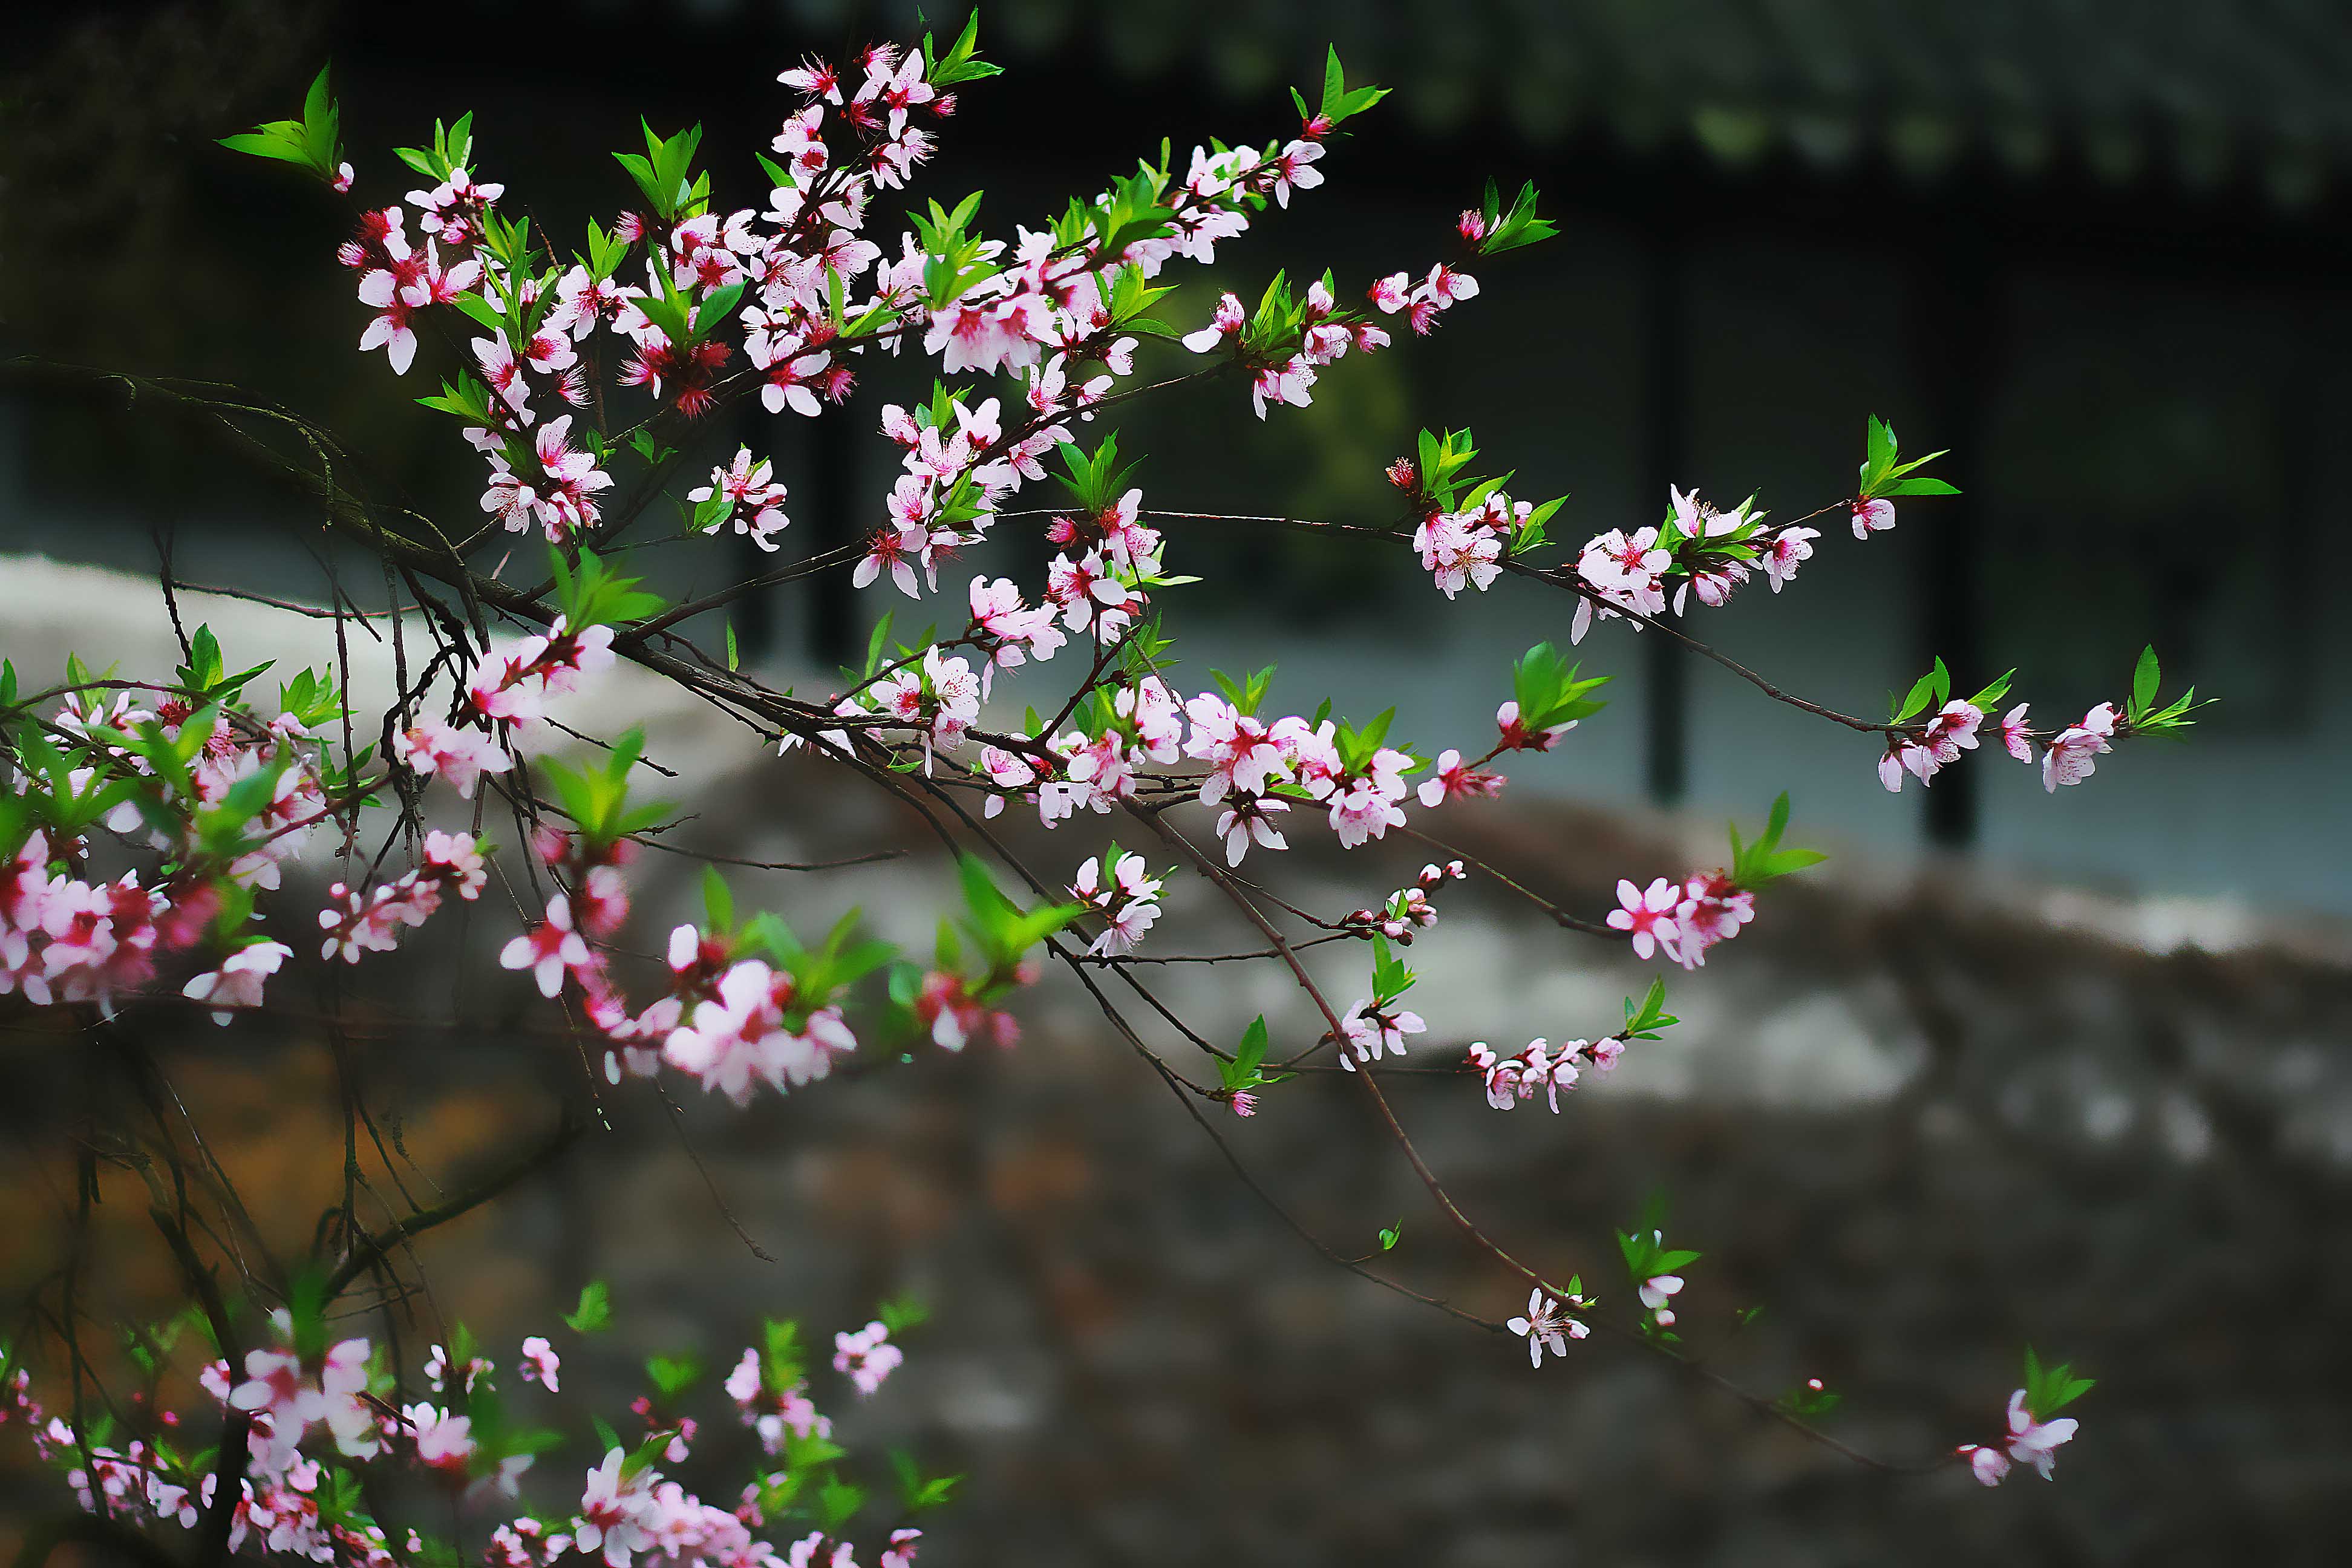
(150, 818)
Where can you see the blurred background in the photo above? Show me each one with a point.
(2070, 1069)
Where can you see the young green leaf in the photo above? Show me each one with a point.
(594, 1313)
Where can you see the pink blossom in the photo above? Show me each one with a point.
(1953, 730)
(2067, 760)
(549, 950)
(237, 982)
(1787, 549)
(1125, 894)
(1655, 1292)
(458, 860)
(2033, 1442)
(390, 329)
(814, 78)
(540, 1362)
(1225, 325)
(1292, 168)
(1243, 755)
(444, 1440)
(1371, 1032)
(1872, 517)
(434, 285)
(1714, 909)
(1651, 915)
(1546, 1326)
(895, 551)
(1456, 554)
(1988, 1465)
(1905, 755)
(615, 1515)
(1364, 811)
(2014, 737)
(1246, 821)
(1455, 780)
(1291, 382)
(461, 756)
(1448, 287)
(866, 1357)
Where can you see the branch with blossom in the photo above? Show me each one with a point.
(145, 828)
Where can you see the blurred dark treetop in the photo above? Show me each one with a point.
(2095, 248)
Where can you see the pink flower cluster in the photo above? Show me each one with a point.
(2067, 758)
(2027, 1442)
(770, 1414)
(316, 1421)
(67, 937)
(754, 501)
(1369, 1029)
(510, 686)
(1326, 332)
(1249, 760)
(1124, 894)
(357, 921)
(741, 1038)
(1538, 1067)
(63, 939)
(1681, 919)
(1462, 549)
(1702, 552)
(953, 1017)
(867, 1356)
(1408, 909)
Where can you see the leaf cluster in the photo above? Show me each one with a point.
(1339, 102)
(1508, 229)
(1643, 1020)
(1756, 863)
(596, 796)
(1246, 1072)
(2049, 1389)
(313, 143)
(1885, 475)
(595, 593)
(1549, 690)
(2143, 715)
(664, 173)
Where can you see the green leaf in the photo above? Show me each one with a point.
(902, 1312)
(837, 1502)
(1928, 692)
(916, 1492)
(962, 62)
(597, 595)
(481, 313)
(264, 145)
(1878, 452)
(718, 902)
(594, 1313)
(781, 1367)
(673, 1375)
(715, 309)
(2145, 680)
